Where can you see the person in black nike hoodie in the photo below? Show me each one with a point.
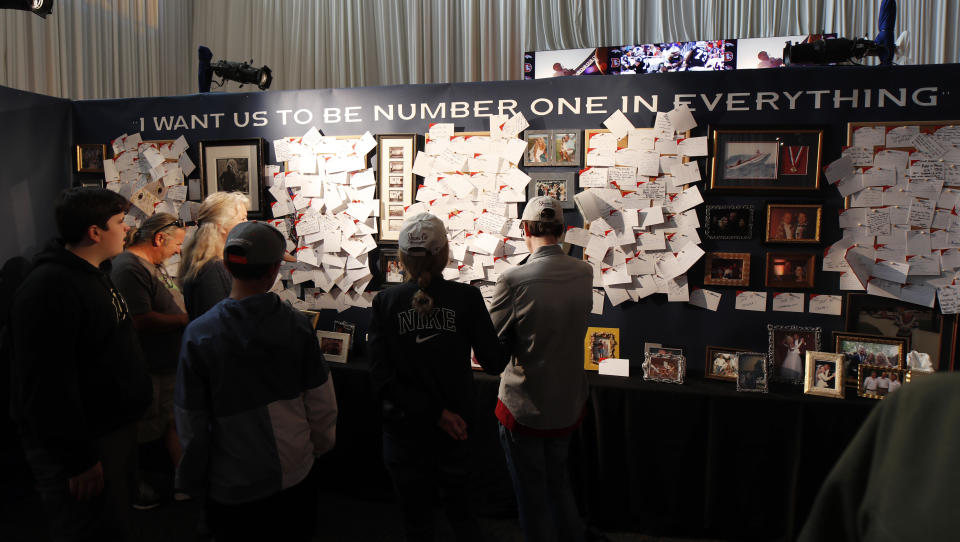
(421, 334)
(78, 378)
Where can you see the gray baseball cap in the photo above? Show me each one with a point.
(543, 209)
(254, 243)
(422, 232)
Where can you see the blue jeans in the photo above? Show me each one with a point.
(538, 468)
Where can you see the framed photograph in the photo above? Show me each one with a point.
(664, 367)
(556, 184)
(654, 348)
(790, 270)
(752, 372)
(823, 374)
(312, 316)
(539, 148)
(90, 157)
(395, 154)
(391, 267)
(600, 343)
(793, 223)
(234, 165)
(727, 268)
(334, 346)
(729, 222)
(877, 381)
(566, 147)
(782, 159)
(721, 363)
(787, 348)
(862, 348)
(928, 331)
(350, 328)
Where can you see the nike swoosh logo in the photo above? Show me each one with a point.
(425, 339)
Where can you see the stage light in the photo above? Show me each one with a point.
(38, 7)
(241, 72)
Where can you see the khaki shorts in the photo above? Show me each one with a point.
(160, 414)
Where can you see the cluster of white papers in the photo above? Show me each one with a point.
(755, 300)
(901, 232)
(325, 205)
(151, 175)
(638, 208)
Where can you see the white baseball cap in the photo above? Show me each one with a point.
(422, 232)
(543, 209)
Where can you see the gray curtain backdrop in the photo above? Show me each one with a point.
(91, 49)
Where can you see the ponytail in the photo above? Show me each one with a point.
(422, 300)
(422, 268)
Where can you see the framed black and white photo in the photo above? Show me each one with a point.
(395, 154)
(234, 165)
(752, 372)
(559, 185)
(729, 222)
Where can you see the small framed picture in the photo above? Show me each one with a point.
(721, 363)
(929, 332)
(600, 343)
(727, 269)
(234, 165)
(391, 267)
(729, 222)
(395, 153)
(539, 148)
(664, 367)
(823, 374)
(350, 328)
(787, 348)
(559, 185)
(878, 381)
(790, 270)
(566, 147)
(90, 157)
(763, 160)
(793, 223)
(876, 350)
(752, 372)
(312, 316)
(334, 346)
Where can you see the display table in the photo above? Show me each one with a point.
(692, 460)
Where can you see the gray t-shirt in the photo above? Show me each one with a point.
(145, 290)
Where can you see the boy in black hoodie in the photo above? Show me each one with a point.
(79, 383)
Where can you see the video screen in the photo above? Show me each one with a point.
(528, 63)
(571, 62)
(676, 57)
(758, 53)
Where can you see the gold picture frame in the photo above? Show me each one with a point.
(726, 269)
(876, 390)
(600, 343)
(90, 157)
(823, 374)
(780, 230)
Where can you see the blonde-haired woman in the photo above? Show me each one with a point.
(421, 334)
(202, 274)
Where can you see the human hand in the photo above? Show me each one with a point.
(88, 484)
(453, 424)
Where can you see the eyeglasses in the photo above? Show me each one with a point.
(178, 223)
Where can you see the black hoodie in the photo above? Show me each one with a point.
(77, 371)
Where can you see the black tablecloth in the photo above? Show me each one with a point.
(692, 460)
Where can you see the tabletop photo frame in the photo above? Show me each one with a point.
(669, 368)
(823, 374)
(234, 165)
(334, 346)
(787, 346)
(863, 348)
(760, 160)
(752, 372)
(721, 363)
(600, 343)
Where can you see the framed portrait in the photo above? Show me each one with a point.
(793, 223)
(559, 185)
(566, 147)
(752, 372)
(664, 367)
(863, 348)
(90, 157)
(539, 148)
(729, 222)
(312, 316)
(762, 159)
(790, 270)
(395, 155)
(600, 343)
(878, 381)
(234, 165)
(787, 348)
(334, 346)
(928, 331)
(727, 268)
(350, 328)
(823, 374)
(721, 363)
(390, 266)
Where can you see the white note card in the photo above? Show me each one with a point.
(787, 302)
(826, 304)
(707, 299)
(615, 367)
(751, 301)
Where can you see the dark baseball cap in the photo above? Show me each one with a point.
(254, 243)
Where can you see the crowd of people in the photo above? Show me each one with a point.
(683, 56)
(232, 381)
